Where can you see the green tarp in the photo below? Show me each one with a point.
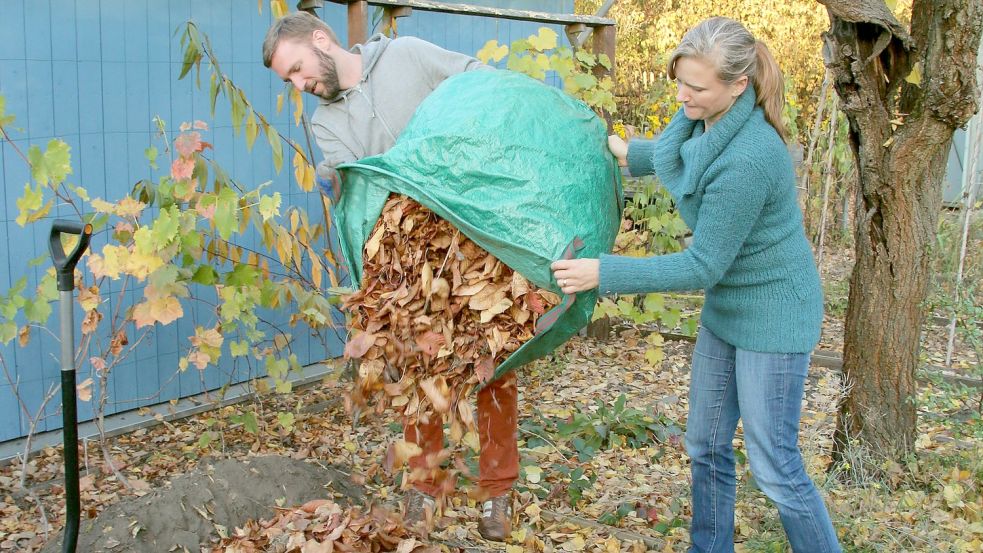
(519, 167)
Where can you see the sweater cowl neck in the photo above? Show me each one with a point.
(684, 151)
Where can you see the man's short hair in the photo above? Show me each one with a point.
(293, 26)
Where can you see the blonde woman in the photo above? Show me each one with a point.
(724, 160)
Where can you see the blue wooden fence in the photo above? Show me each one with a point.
(95, 73)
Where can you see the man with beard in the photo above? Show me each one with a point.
(367, 96)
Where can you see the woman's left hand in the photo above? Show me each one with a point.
(577, 275)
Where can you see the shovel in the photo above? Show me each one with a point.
(65, 267)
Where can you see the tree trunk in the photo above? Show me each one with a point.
(904, 96)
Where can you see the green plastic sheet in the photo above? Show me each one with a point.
(519, 167)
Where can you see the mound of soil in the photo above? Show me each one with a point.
(194, 509)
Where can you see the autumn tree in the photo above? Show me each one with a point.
(904, 91)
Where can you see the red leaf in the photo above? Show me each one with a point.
(182, 168)
(535, 303)
(188, 143)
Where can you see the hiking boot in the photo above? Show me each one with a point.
(496, 518)
(418, 511)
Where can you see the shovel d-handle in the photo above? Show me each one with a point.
(65, 264)
(65, 267)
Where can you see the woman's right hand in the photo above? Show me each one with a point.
(619, 148)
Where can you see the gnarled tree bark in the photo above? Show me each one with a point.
(904, 93)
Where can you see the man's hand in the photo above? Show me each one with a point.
(329, 183)
(577, 275)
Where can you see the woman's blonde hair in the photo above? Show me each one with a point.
(731, 48)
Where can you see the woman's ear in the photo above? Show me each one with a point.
(737, 87)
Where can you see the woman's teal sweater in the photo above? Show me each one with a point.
(735, 188)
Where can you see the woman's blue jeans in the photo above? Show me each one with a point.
(765, 391)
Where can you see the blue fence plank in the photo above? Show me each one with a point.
(87, 28)
(65, 83)
(113, 93)
(32, 392)
(159, 34)
(9, 412)
(112, 30)
(90, 166)
(37, 20)
(13, 85)
(13, 31)
(63, 31)
(40, 104)
(135, 32)
(90, 97)
(137, 87)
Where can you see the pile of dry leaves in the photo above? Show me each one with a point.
(323, 526)
(435, 316)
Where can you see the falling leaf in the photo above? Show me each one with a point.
(358, 344)
(85, 390)
(438, 393)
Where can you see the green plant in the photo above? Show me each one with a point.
(615, 425)
(539, 54)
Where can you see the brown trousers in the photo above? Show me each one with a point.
(498, 423)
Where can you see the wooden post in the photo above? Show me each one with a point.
(309, 6)
(358, 22)
(604, 42)
(389, 15)
(573, 32)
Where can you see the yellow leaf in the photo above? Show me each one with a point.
(102, 206)
(576, 544)
(279, 103)
(252, 130)
(534, 474)
(471, 440)
(372, 246)
(545, 40)
(164, 310)
(308, 183)
(500, 307)
(298, 101)
(300, 169)
(316, 269)
(89, 298)
(492, 51)
(128, 207)
(915, 77)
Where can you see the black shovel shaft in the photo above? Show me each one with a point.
(65, 267)
(70, 432)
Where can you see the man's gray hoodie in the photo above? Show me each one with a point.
(397, 74)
